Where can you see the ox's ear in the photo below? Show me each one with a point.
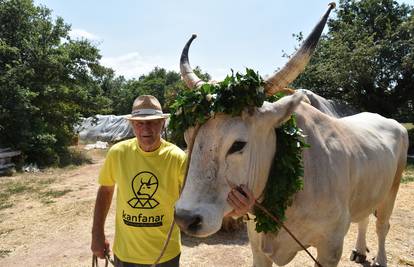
(280, 111)
(188, 134)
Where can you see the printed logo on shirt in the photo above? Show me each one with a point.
(144, 186)
(141, 220)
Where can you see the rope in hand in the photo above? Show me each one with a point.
(107, 259)
(287, 230)
(258, 205)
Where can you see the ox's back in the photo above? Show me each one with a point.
(349, 157)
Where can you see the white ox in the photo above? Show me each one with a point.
(352, 169)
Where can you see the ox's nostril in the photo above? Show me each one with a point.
(187, 220)
(196, 224)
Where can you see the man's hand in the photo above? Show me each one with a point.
(241, 199)
(99, 245)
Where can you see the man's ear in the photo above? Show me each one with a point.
(274, 114)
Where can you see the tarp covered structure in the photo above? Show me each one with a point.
(107, 128)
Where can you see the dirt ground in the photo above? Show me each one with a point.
(47, 222)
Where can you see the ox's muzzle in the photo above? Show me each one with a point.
(188, 221)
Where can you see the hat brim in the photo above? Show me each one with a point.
(147, 117)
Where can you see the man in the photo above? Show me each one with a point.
(149, 173)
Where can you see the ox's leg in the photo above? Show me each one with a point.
(359, 254)
(329, 252)
(330, 248)
(383, 214)
(259, 258)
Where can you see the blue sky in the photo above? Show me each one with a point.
(134, 36)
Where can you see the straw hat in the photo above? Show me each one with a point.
(146, 107)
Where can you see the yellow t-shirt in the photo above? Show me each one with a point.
(148, 185)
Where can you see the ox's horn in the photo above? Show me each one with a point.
(300, 59)
(187, 73)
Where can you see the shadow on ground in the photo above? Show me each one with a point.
(238, 237)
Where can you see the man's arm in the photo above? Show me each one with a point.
(102, 205)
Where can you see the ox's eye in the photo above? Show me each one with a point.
(236, 147)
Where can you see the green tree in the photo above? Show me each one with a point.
(367, 58)
(162, 84)
(47, 82)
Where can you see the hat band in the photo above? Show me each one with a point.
(141, 112)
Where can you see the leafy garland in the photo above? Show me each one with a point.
(232, 96)
(285, 176)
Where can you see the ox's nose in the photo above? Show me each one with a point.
(188, 221)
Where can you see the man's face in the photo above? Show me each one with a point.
(148, 133)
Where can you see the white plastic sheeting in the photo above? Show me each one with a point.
(106, 128)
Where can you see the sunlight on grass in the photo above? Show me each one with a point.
(408, 175)
(408, 126)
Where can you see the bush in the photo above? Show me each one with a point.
(74, 157)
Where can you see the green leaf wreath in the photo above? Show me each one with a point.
(231, 96)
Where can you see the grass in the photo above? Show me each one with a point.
(33, 187)
(408, 126)
(18, 187)
(47, 181)
(47, 197)
(408, 175)
(11, 188)
(55, 193)
(40, 185)
(5, 205)
(4, 253)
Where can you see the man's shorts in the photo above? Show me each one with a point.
(175, 262)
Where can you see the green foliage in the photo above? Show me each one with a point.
(367, 58)
(47, 82)
(230, 96)
(285, 177)
(162, 84)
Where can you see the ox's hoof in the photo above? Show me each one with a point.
(357, 257)
(376, 264)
